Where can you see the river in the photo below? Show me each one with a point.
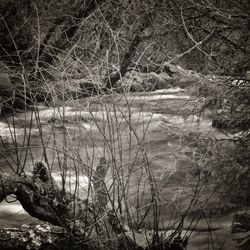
(138, 133)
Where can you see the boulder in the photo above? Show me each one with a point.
(133, 85)
(88, 87)
(11, 97)
(5, 82)
(247, 74)
(158, 81)
(132, 81)
(184, 81)
(165, 76)
(136, 87)
(72, 88)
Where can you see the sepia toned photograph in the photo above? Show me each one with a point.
(125, 124)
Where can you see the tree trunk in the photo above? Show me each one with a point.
(146, 20)
(112, 78)
(48, 54)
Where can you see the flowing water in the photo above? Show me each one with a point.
(157, 126)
